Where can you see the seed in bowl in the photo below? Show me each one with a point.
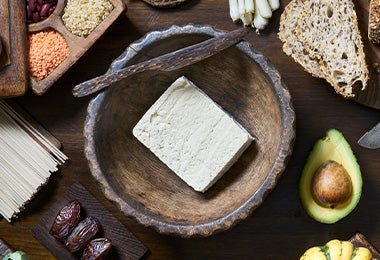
(82, 17)
(39, 10)
(47, 49)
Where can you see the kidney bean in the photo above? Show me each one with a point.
(44, 10)
(28, 12)
(36, 17)
(32, 5)
(51, 10)
(38, 10)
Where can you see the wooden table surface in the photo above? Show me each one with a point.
(280, 227)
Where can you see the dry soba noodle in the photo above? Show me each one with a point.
(25, 164)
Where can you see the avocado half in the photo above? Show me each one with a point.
(333, 147)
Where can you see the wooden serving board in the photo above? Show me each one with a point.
(13, 31)
(371, 96)
(125, 244)
(77, 45)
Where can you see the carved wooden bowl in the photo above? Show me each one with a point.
(241, 81)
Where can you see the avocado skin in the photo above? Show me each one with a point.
(332, 147)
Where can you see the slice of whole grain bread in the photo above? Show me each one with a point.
(327, 34)
(291, 45)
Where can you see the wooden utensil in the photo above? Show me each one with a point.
(125, 244)
(168, 62)
(13, 66)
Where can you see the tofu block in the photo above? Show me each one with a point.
(192, 135)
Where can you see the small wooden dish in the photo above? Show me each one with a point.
(78, 45)
(241, 81)
(125, 244)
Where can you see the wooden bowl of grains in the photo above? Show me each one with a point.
(69, 30)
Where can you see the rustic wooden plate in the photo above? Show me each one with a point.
(241, 81)
(78, 45)
(125, 244)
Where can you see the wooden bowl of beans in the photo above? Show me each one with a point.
(66, 29)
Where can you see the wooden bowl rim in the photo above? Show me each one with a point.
(244, 210)
(166, 3)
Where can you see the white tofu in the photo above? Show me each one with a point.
(192, 135)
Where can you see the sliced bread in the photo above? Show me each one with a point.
(374, 22)
(291, 45)
(326, 33)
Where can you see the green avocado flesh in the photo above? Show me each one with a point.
(333, 147)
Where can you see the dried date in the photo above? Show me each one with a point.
(82, 234)
(66, 220)
(97, 249)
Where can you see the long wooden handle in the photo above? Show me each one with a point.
(167, 62)
(98, 83)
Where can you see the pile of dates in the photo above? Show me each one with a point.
(38, 10)
(79, 235)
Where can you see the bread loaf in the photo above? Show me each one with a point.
(323, 36)
(374, 21)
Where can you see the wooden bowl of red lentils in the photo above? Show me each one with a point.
(61, 31)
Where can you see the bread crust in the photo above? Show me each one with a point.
(323, 36)
(374, 22)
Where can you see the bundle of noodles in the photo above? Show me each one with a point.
(27, 159)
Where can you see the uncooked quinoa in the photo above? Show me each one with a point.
(81, 17)
(47, 49)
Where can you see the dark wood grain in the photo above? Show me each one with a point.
(165, 3)
(13, 68)
(279, 228)
(77, 45)
(167, 62)
(124, 244)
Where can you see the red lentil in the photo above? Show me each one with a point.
(47, 49)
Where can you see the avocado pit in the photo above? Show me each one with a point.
(331, 185)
